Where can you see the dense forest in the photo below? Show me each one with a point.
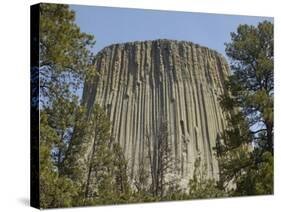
(245, 151)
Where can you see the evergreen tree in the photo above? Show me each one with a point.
(251, 85)
(106, 180)
(120, 172)
(141, 181)
(247, 147)
(202, 187)
(55, 190)
(99, 161)
(65, 56)
(65, 62)
(160, 160)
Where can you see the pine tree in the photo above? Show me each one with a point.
(65, 62)
(99, 160)
(202, 187)
(55, 190)
(160, 160)
(65, 56)
(247, 147)
(106, 179)
(120, 172)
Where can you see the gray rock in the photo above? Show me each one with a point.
(142, 82)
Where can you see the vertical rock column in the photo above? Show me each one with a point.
(142, 83)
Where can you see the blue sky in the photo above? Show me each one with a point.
(115, 25)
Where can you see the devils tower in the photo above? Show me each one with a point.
(140, 84)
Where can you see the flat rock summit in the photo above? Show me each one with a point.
(141, 84)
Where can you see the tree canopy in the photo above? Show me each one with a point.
(246, 154)
(65, 62)
(65, 53)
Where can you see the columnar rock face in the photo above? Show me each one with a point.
(142, 83)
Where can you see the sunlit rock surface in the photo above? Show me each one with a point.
(141, 83)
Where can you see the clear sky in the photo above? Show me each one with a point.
(115, 25)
